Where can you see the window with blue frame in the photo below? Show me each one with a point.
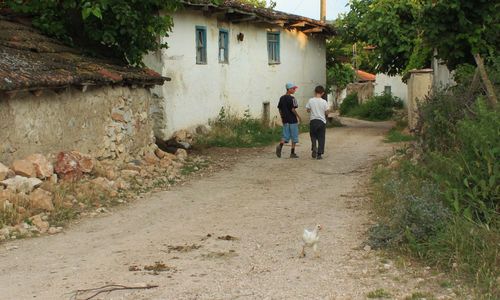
(273, 47)
(223, 46)
(201, 45)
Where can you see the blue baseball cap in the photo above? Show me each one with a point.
(290, 86)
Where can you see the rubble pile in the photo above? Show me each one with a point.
(38, 194)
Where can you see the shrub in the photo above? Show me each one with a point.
(348, 104)
(445, 206)
(377, 108)
(470, 170)
(411, 213)
(414, 217)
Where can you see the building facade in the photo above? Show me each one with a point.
(237, 57)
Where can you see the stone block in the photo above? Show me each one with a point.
(24, 168)
(41, 200)
(4, 171)
(44, 169)
(21, 184)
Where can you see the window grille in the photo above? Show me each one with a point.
(273, 47)
(223, 46)
(201, 45)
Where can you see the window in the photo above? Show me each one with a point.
(201, 45)
(273, 47)
(387, 89)
(223, 46)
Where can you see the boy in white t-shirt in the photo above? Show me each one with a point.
(318, 109)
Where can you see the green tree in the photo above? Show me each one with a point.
(256, 3)
(339, 72)
(125, 29)
(464, 31)
(389, 26)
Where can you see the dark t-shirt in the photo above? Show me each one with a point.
(285, 105)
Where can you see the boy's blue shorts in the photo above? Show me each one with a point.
(291, 131)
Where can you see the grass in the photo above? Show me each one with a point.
(379, 293)
(420, 296)
(232, 131)
(396, 136)
(446, 284)
(192, 166)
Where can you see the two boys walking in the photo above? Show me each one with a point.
(318, 109)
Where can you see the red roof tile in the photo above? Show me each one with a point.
(365, 76)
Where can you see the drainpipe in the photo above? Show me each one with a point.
(323, 11)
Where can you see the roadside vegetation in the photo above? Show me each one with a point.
(234, 131)
(441, 202)
(400, 133)
(231, 130)
(377, 108)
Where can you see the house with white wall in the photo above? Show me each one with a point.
(234, 56)
(391, 84)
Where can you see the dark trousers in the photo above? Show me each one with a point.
(317, 130)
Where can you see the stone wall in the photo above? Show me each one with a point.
(103, 122)
(364, 90)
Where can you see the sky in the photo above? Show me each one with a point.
(310, 8)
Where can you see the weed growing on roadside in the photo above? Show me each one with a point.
(420, 296)
(230, 130)
(396, 136)
(379, 293)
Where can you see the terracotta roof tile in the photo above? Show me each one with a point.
(365, 76)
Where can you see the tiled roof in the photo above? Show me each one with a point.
(237, 11)
(31, 61)
(365, 76)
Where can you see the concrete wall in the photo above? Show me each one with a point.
(398, 87)
(197, 92)
(419, 87)
(104, 122)
(443, 78)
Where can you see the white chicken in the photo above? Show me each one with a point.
(310, 238)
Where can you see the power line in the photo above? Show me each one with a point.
(295, 9)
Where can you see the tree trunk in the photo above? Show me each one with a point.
(490, 89)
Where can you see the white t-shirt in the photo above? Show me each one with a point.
(318, 107)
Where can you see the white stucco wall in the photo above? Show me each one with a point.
(398, 87)
(197, 92)
(442, 77)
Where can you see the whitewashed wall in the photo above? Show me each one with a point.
(398, 87)
(197, 92)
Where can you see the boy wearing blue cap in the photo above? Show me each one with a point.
(290, 118)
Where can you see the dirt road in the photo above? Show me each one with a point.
(264, 202)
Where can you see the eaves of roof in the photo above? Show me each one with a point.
(238, 12)
(30, 61)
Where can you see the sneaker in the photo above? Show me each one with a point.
(278, 150)
(319, 156)
(314, 154)
(293, 155)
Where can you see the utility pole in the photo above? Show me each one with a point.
(323, 11)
